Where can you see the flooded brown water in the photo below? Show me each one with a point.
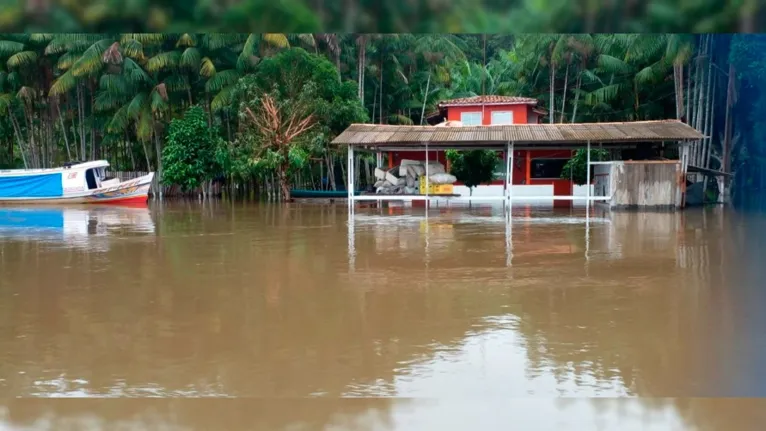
(458, 321)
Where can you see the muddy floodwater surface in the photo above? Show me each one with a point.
(218, 316)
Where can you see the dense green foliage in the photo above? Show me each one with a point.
(83, 96)
(474, 167)
(576, 167)
(289, 109)
(189, 156)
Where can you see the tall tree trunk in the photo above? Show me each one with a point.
(725, 183)
(19, 138)
(707, 125)
(552, 81)
(693, 106)
(380, 98)
(700, 107)
(374, 104)
(564, 95)
(158, 150)
(577, 96)
(66, 137)
(678, 82)
(284, 181)
(687, 111)
(425, 98)
(146, 155)
(81, 115)
(331, 171)
(362, 41)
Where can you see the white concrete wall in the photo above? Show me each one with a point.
(519, 191)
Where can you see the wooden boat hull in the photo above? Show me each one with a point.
(132, 192)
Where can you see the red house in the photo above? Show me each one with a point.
(531, 167)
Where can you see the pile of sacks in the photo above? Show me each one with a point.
(405, 178)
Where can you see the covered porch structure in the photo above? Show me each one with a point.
(507, 139)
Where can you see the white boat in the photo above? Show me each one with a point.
(74, 183)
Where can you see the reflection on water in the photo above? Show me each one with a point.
(69, 227)
(456, 312)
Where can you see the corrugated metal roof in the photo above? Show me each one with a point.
(490, 99)
(371, 135)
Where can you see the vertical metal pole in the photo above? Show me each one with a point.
(587, 236)
(379, 165)
(350, 174)
(428, 181)
(587, 173)
(509, 179)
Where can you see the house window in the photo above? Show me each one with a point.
(547, 168)
(470, 118)
(502, 117)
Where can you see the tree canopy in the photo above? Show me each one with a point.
(71, 96)
(473, 167)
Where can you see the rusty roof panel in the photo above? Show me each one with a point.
(644, 131)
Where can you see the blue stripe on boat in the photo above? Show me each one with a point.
(32, 186)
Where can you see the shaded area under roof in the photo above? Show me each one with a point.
(532, 135)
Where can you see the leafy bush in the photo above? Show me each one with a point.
(189, 156)
(575, 168)
(473, 167)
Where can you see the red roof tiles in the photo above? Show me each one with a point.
(490, 100)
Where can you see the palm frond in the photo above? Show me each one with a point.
(163, 61)
(137, 105)
(604, 94)
(72, 42)
(106, 101)
(21, 59)
(9, 48)
(41, 37)
(222, 79)
(144, 38)
(159, 99)
(177, 83)
(191, 58)
(610, 64)
(91, 60)
(216, 41)
(6, 102)
(277, 40)
(400, 119)
(66, 61)
(133, 48)
(120, 120)
(114, 84)
(223, 98)
(134, 72)
(26, 93)
(144, 123)
(207, 69)
(186, 40)
(650, 74)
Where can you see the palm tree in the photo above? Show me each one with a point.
(438, 52)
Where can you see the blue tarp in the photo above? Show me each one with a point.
(32, 186)
(33, 218)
